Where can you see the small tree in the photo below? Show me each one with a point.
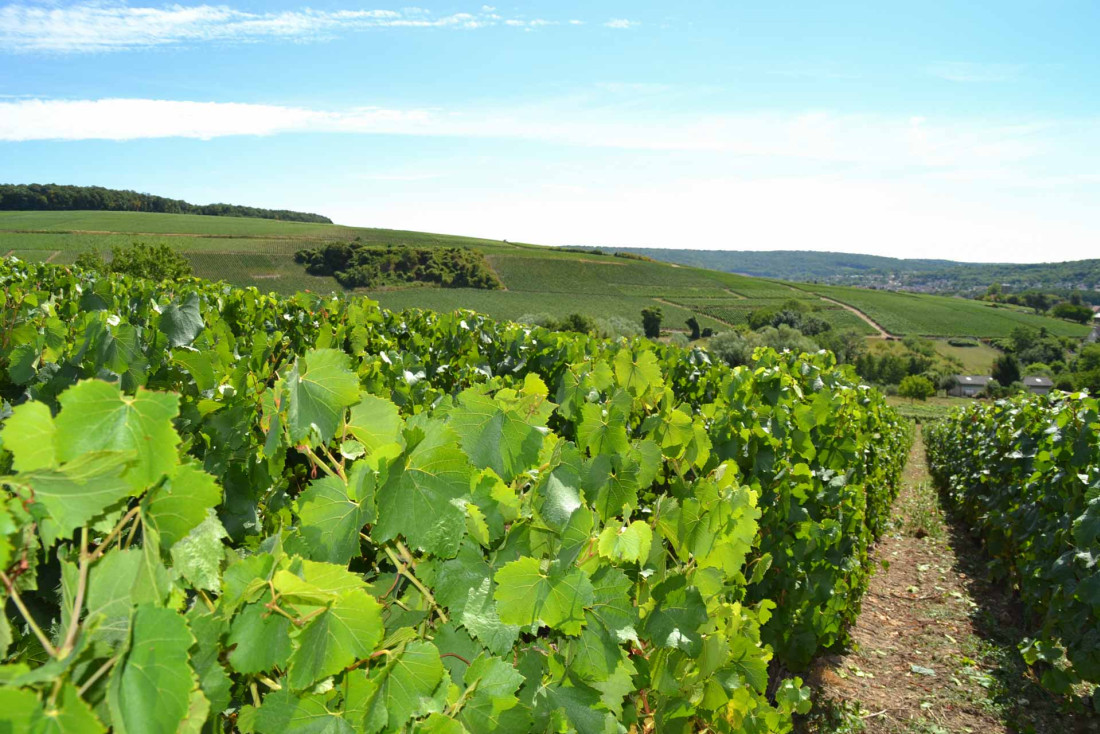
(1006, 369)
(916, 387)
(651, 322)
(156, 262)
(693, 324)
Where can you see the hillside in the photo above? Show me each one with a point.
(873, 271)
(537, 280)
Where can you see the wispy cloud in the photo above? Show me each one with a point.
(621, 23)
(112, 26)
(914, 144)
(975, 73)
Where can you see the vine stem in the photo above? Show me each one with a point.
(78, 602)
(318, 461)
(98, 674)
(14, 593)
(401, 569)
(101, 549)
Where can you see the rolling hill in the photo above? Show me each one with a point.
(537, 279)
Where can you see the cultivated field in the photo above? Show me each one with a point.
(260, 253)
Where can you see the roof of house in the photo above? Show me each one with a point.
(1038, 382)
(975, 380)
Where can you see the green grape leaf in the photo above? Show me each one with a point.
(526, 594)
(19, 709)
(21, 363)
(494, 438)
(114, 587)
(320, 388)
(419, 499)
(495, 684)
(209, 627)
(79, 491)
(333, 513)
(30, 435)
(182, 323)
(600, 431)
(639, 376)
(411, 679)
(181, 503)
(285, 712)
(626, 543)
(375, 422)
(347, 631)
(259, 638)
(198, 365)
(677, 617)
(198, 557)
(71, 716)
(150, 688)
(96, 416)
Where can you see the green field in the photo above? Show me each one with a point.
(910, 313)
(538, 280)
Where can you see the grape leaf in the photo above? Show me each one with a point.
(526, 594)
(626, 543)
(260, 639)
(333, 513)
(96, 416)
(285, 712)
(198, 557)
(349, 630)
(375, 422)
(181, 503)
(80, 490)
(150, 688)
(492, 437)
(676, 619)
(419, 499)
(182, 323)
(30, 435)
(320, 388)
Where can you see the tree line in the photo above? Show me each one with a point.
(357, 265)
(57, 197)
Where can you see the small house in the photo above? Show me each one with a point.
(1038, 385)
(969, 386)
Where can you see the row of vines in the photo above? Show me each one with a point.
(227, 511)
(1025, 474)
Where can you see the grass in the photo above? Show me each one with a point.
(910, 313)
(976, 360)
(259, 252)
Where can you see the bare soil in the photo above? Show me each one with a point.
(936, 643)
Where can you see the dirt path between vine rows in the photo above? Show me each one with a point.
(882, 333)
(935, 644)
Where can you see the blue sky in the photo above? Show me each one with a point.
(961, 130)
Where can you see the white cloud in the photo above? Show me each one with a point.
(133, 119)
(900, 142)
(621, 23)
(975, 73)
(112, 26)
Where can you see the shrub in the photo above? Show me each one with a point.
(916, 387)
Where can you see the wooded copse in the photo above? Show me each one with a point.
(58, 197)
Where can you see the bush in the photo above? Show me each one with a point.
(357, 265)
(651, 322)
(614, 327)
(916, 387)
(679, 340)
(140, 260)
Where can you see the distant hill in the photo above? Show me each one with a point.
(540, 283)
(57, 197)
(872, 271)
